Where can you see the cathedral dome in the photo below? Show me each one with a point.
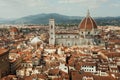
(88, 23)
(13, 29)
(36, 40)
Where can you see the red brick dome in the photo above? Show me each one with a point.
(13, 29)
(88, 23)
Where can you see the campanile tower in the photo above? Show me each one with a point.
(52, 31)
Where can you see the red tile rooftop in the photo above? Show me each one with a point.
(57, 78)
(115, 41)
(53, 71)
(76, 75)
(13, 51)
(115, 74)
(13, 29)
(3, 50)
(112, 55)
(88, 64)
(9, 77)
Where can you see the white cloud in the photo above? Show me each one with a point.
(115, 5)
(71, 1)
(81, 1)
(31, 3)
(87, 3)
(18, 8)
(2, 3)
(25, 3)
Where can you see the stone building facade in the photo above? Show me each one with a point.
(85, 35)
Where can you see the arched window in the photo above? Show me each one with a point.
(75, 36)
(75, 43)
(68, 36)
(51, 27)
(88, 32)
(68, 44)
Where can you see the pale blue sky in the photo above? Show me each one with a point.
(20, 8)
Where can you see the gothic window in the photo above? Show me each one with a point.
(51, 27)
(75, 36)
(75, 43)
(68, 44)
(88, 32)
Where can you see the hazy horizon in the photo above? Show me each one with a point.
(98, 8)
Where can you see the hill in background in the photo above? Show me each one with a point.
(60, 19)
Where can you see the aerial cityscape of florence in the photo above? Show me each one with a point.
(59, 40)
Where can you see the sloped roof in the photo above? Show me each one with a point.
(36, 40)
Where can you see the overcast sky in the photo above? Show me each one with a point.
(20, 8)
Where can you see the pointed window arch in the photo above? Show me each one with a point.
(88, 32)
(51, 26)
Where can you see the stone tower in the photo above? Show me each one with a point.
(52, 31)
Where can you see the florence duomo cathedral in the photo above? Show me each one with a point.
(87, 33)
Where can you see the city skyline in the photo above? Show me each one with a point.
(98, 8)
(80, 42)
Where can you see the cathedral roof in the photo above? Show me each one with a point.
(36, 40)
(13, 29)
(88, 23)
